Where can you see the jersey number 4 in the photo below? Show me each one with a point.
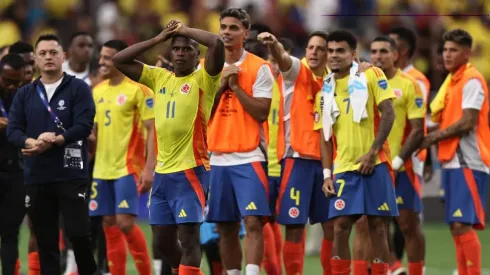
(170, 109)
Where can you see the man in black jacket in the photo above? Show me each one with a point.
(12, 191)
(51, 120)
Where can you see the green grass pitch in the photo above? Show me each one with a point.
(440, 257)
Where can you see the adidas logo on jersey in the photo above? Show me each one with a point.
(384, 207)
(182, 214)
(458, 213)
(123, 204)
(251, 206)
(399, 200)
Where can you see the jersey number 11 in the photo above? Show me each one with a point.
(170, 109)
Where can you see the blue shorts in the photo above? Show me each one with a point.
(179, 197)
(238, 191)
(357, 194)
(301, 196)
(111, 197)
(465, 192)
(274, 184)
(408, 191)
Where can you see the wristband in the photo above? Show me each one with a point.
(397, 163)
(327, 173)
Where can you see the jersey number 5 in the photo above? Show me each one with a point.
(94, 193)
(108, 117)
(170, 109)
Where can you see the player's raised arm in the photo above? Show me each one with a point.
(215, 56)
(125, 60)
(277, 51)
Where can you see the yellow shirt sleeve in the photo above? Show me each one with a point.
(209, 84)
(145, 100)
(378, 84)
(318, 111)
(415, 102)
(152, 76)
(95, 96)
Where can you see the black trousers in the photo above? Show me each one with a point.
(12, 212)
(44, 203)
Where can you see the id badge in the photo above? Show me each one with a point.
(73, 156)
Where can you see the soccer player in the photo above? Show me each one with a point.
(80, 51)
(184, 101)
(238, 161)
(274, 167)
(358, 111)
(461, 108)
(300, 196)
(271, 260)
(120, 168)
(12, 190)
(27, 53)
(404, 140)
(406, 42)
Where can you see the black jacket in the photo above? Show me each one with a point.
(11, 163)
(72, 102)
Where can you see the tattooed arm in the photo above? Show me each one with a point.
(368, 161)
(458, 129)
(386, 123)
(414, 138)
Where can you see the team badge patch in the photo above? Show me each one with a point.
(149, 102)
(93, 205)
(121, 99)
(339, 204)
(397, 92)
(317, 116)
(419, 102)
(293, 212)
(184, 89)
(383, 84)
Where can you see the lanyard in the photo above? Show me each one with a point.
(2, 109)
(55, 118)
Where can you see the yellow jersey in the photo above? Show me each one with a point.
(409, 104)
(353, 140)
(184, 107)
(274, 168)
(120, 111)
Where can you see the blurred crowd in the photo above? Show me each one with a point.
(136, 20)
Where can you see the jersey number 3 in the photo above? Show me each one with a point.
(170, 109)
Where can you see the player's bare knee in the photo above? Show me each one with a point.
(458, 228)
(328, 230)
(228, 230)
(378, 225)
(294, 232)
(253, 225)
(342, 226)
(362, 227)
(125, 222)
(189, 238)
(408, 225)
